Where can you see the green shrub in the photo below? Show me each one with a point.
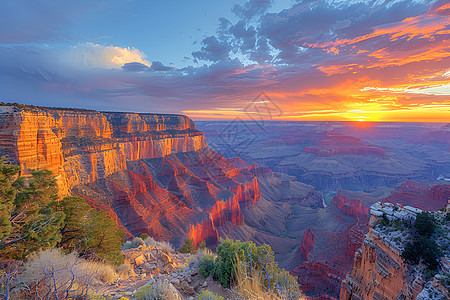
(144, 236)
(207, 295)
(425, 224)
(188, 247)
(207, 265)
(228, 253)
(202, 245)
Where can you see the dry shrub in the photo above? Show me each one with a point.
(247, 287)
(125, 271)
(251, 287)
(51, 274)
(164, 246)
(160, 289)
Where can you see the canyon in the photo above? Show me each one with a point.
(305, 188)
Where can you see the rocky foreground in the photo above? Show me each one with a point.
(150, 266)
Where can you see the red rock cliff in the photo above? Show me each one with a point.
(352, 207)
(379, 272)
(82, 146)
(307, 243)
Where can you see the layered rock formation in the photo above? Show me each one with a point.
(379, 271)
(82, 146)
(351, 207)
(153, 173)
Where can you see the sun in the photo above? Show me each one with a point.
(361, 120)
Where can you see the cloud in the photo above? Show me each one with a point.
(99, 56)
(135, 67)
(212, 50)
(159, 66)
(156, 66)
(315, 59)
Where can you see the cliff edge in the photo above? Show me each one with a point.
(380, 269)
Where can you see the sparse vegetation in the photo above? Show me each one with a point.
(188, 247)
(207, 265)
(424, 248)
(250, 270)
(52, 274)
(160, 289)
(207, 295)
(165, 246)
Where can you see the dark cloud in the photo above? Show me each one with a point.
(135, 67)
(212, 50)
(244, 36)
(159, 66)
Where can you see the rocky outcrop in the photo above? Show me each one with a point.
(206, 231)
(428, 197)
(440, 192)
(226, 212)
(307, 243)
(351, 207)
(379, 271)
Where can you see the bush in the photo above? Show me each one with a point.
(188, 247)
(422, 250)
(51, 272)
(207, 295)
(161, 289)
(228, 253)
(144, 236)
(425, 224)
(207, 265)
(164, 246)
(202, 245)
(134, 243)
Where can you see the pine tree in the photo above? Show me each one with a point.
(33, 218)
(89, 231)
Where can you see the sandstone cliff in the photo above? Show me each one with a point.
(82, 146)
(379, 271)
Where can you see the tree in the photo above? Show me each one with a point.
(32, 218)
(425, 223)
(89, 231)
(32, 223)
(7, 196)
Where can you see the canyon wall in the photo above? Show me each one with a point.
(153, 173)
(82, 146)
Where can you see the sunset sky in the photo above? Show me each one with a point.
(312, 60)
